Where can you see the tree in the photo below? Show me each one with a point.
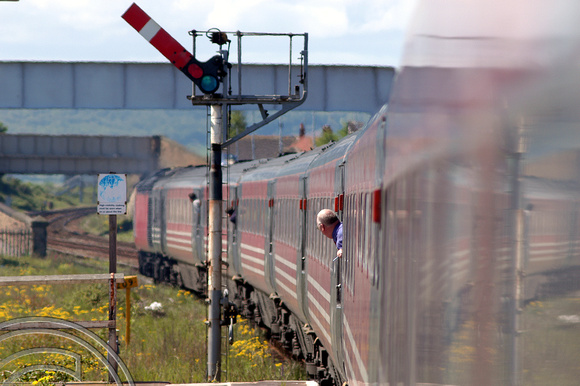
(237, 123)
(343, 132)
(327, 136)
(348, 127)
(3, 128)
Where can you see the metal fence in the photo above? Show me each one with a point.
(15, 242)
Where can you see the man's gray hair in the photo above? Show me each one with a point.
(327, 217)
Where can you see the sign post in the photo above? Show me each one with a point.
(112, 200)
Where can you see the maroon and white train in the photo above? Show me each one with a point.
(460, 202)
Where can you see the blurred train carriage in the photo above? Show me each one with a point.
(460, 207)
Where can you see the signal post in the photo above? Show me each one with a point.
(214, 282)
(208, 77)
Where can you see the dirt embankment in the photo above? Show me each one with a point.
(172, 154)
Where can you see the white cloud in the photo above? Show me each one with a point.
(94, 30)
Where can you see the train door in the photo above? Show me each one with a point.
(196, 228)
(269, 273)
(301, 262)
(150, 218)
(157, 220)
(336, 315)
(233, 250)
(163, 213)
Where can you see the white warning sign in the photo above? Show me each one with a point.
(112, 194)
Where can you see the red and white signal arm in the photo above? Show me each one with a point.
(112, 194)
(204, 75)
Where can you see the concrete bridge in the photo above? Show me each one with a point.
(93, 85)
(77, 154)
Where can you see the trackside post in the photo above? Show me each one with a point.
(215, 246)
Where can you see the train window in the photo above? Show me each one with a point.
(262, 214)
(281, 219)
(258, 216)
(182, 214)
(290, 223)
(318, 239)
(293, 209)
(276, 221)
(242, 219)
(254, 216)
(182, 219)
(286, 220)
(264, 221)
(358, 241)
(350, 255)
(288, 216)
(248, 215)
(260, 223)
(290, 220)
(366, 231)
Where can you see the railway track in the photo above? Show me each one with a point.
(65, 235)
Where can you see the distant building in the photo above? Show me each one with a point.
(270, 146)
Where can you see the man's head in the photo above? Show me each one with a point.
(326, 221)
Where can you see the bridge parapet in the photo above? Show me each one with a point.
(77, 154)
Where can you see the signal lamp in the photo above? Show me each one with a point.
(206, 76)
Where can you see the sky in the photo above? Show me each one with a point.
(342, 32)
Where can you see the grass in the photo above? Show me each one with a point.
(96, 224)
(166, 345)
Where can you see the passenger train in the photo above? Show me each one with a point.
(460, 205)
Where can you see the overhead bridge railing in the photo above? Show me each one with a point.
(297, 89)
